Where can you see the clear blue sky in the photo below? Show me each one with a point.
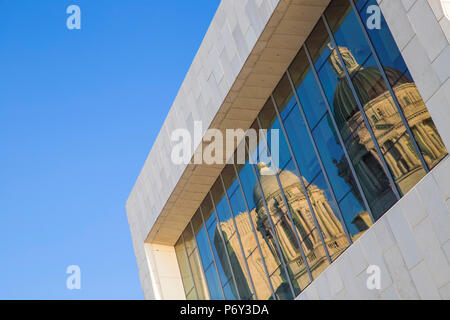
(79, 112)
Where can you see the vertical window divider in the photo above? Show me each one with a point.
(256, 236)
(338, 133)
(239, 240)
(288, 208)
(212, 252)
(361, 109)
(391, 91)
(190, 267)
(200, 258)
(224, 245)
(311, 208)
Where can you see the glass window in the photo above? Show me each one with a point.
(206, 257)
(332, 156)
(319, 45)
(330, 222)
(259, 275)
(264, 230)
(307, 89)
(232, 245)
(183, 263)
(355, 215)
(199, 276)
(358, 142)
(230, 293)
(192, 295)
(408, 96)
(213, 283)
(387, 50)
(189, 240)
(374, 95)
(264, 225)
(218, 247)
(301, 224)
(201, 238)
(245, 229)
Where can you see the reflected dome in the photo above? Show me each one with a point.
(369, 84)
(269, 182)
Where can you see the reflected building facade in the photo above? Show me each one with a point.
(355, 136)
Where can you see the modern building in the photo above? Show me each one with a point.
(359, 93)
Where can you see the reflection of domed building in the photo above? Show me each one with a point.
(304, 225)
(331, 227)
(388, 128)
(399, 154)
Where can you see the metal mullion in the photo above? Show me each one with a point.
(319, 158)
(297, 167)
(361, 109)
(212, 252)
(391, 91)
(288, 209)
(338, 134)
(225, 246)
(256, 236)
(200, 257)
(238, 237)
(190, 267)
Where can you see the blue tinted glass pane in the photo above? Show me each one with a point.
(311, 99)
(219, 251)
(282, 148)
(237, 202)
(360, 4)
(319, 45)
(332, 155)
(230, 294)
(407, 95)
(248, 180)
(213, 283)
(203, 246)
(356, 217)
(223, 211)
(329, 78)
(382, 40)
(301, 144)
(347, 33)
